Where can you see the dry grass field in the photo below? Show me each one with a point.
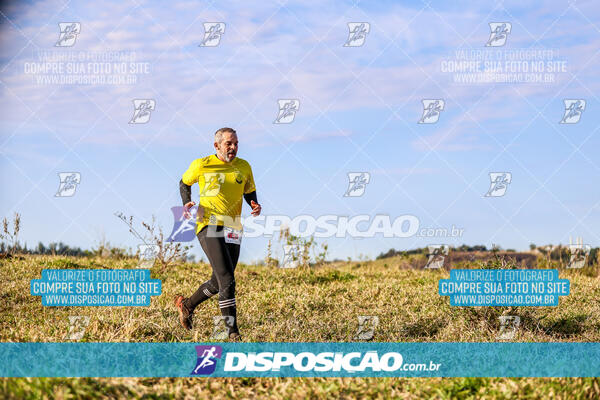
(296, 305)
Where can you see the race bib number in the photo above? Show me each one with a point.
(232, 235)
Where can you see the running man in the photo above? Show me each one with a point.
(223, 180)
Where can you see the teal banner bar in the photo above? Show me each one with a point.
(299, 359)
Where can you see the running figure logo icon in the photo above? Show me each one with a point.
(431, 111)
(207, 359)
(499, 182)
(212, 34)
(366, 327)
(141, 110)
(212, 183)
(68, 34)
(573, 110)
(509, 324)
(77, 327)
(357, 183)
(437, 255)
(68, 183)
(498, 34)
(291, 256)
(221, 326)
(358, 33)
(183, 229)
(579, 254)
(287, 111)
(148, 253)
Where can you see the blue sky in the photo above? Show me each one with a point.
(359, 108)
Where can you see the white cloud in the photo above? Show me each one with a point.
(181, 71)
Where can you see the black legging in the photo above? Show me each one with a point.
(223, 258)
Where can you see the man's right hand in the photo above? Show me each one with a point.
(186, 209)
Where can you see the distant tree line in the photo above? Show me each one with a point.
(559, 253)
(425, 250)
(59, 248)
(62, 249)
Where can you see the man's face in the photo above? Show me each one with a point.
(227, 148)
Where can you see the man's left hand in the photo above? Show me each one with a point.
(256, 208)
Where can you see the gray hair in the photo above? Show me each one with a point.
(219, 134)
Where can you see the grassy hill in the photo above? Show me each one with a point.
(304, 304)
